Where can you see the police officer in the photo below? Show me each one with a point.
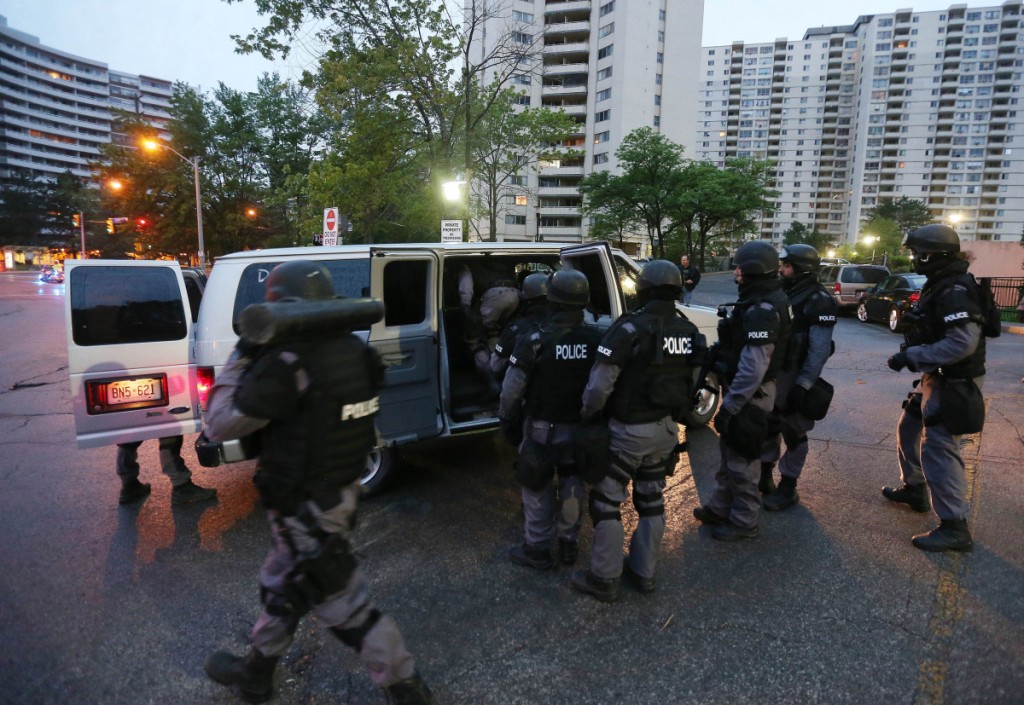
(945, 344)
(533, 308)
(488, 296)
(752, 347)
(643, 377)
(313, 403)
(814, 319)
(547, 373)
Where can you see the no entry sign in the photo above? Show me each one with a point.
(330, 226)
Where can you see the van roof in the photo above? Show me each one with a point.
(364, 250)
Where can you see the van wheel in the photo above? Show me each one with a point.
(380, 469)
(707, 403)
(895, 322)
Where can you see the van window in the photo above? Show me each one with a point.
(405, 292)
(863, 275)
(600, 301)
(351, 278)
(195, 295)
(122, 305)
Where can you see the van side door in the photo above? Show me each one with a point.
(131, 362)
(407, 281)
(596, 262)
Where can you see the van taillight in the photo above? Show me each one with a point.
(204, 383)
(914, 296)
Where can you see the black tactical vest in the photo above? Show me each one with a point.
(809, 301)
(560, 371)
(780, 302)
(323, 446)
(938, 302)
(658, 379)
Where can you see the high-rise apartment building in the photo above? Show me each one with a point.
(55, 107)
(924, 105)
(614, 65)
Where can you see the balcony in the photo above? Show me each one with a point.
(555, 90)
(566, 69)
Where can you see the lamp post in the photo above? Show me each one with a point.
(871, 240)
(153, 145)
(453, 193)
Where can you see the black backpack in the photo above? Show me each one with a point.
(992, 325)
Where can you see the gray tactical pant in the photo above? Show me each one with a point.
(382, 650)
(795, 428)
(932, 454)
(736, 496)
(633, 446)
(171, 461)
(547, 512)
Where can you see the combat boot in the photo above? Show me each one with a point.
(133, 491)
(766, 485)
(642, 584)
(568, 551)
(411, 691)
(188, 492)
(252, 673)
(586, 582)
(949, 535)
(914, 496)
(730, 532)
(784, 496)
(531, 556)
(705, 516)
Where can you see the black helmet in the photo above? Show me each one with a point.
(535, 286)
(757, 257)
(299, 279)
(802, 258)
(658, 272)
(570, 287)
(933, 239)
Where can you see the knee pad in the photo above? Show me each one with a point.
(648, 504)
(354, 636)
(597, 514)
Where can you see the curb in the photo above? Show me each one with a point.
(1013, 328)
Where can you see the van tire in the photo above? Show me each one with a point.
(704, 410)
(380, 469)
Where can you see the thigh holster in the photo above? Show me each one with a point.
(353, 636)
(648, 504)
(597, 514)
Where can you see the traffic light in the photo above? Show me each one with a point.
(110, 226)
(76, 220)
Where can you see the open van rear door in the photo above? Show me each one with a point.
(596, 262)
(130, 351)
(406, 280)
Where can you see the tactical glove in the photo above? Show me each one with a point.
(900, 360)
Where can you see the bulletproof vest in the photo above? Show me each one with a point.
(528, 320)
(810, 302)
(941, 306)
(489, 272)
(737, 334)
(561, 371)
(323, 446)
(657, 381)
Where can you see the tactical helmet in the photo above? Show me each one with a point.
(802, 258)
(570, 287)
(535, 286)
(299, 279)
(933, 239)
(658, 272)
(757, 257)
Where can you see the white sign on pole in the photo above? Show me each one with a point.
(330, 226)
(451, 231)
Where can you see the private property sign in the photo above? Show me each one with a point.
(451, 231)
(330, 226)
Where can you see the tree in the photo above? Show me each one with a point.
(608, 203)
(24, 209)
(798, 233)
(907, 213)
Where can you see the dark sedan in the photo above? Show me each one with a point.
(882, 301)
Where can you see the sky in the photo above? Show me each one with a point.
(190, 40)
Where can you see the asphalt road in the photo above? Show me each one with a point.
(831, 604)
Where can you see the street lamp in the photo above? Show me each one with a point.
(871, 240)
(452, 191)
(152, 146)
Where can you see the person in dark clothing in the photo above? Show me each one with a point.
(488, 297)
(814, 319)
(691, 278)
(752, 347)
(533, 310)
(183, 490)
(946, 345)
(642, 379)
(547, 373)
(313, 402)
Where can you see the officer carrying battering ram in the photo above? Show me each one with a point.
(642, 381)
(312, 399)
(946, 345)
(801, 395)
(750, 351)
(533, 309)
(546, 375)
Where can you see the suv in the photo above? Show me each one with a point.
(848, 282)
(140, 367)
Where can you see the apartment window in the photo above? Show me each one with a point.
(521, 79)
(601, 158)
(524, 17)
(605, 52)
(604, 73)
(606, 30)
(602, 137)
(604, 94)
(657, 79)
(606, 8)
(523, 100)
(522, 37)
(661, 58)
(657, 99)
(657, 120)
(661, 16)
(517, 180)
(602, 116)
(515, 219)
(661, 36)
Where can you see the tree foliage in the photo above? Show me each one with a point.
(798, 233)
(907, 213)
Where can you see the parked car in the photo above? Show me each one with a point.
(847, 282)
(826, 261)
(140, 366)
(887, 300)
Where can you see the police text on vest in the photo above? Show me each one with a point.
(571, 352)
(677, 345)
(360, 409)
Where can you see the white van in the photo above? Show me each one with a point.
(141, 366)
